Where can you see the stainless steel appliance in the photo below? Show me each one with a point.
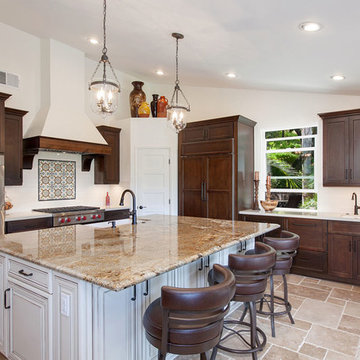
(72, 215)
(2, 195)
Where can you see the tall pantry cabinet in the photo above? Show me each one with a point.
(216, 165)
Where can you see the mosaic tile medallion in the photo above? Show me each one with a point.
(57, 180)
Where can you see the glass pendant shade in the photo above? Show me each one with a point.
(176, 111)
(104, 97)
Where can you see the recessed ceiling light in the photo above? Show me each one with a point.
(159, 72)
(231, 75)
(338, 77)
(310, 26)
(93, 41)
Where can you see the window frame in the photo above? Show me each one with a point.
(315, 149)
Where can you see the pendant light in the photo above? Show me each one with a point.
(104, 92)
(177, 112)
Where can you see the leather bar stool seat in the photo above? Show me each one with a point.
(251, 271)
(286, 246)
(190, 321)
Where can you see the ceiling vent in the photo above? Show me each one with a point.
(9, 79)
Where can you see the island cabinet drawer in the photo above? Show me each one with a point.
(312, 233)
(344, 227)
(30, 274)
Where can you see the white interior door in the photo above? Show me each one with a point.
(153, 181)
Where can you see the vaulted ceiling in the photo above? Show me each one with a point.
(259, 40)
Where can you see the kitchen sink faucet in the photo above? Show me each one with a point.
(133, 212)
(356, 207)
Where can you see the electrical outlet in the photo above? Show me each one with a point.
(65, 305)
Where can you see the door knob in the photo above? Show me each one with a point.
(142, 207)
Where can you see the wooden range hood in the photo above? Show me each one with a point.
(86, 149)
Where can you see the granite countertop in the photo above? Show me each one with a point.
(11, 215)
(304, 214)
(127, 255)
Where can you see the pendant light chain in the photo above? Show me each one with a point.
(104, 51)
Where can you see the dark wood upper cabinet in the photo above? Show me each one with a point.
(3, 98)
(107, 167)
(341, 148)
(216, 163)
(14, 146)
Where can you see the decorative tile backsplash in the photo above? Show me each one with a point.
(57, 180)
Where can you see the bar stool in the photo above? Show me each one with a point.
(190, 321)
(251, 271)
(286, 246)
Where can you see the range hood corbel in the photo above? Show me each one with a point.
(88, 150)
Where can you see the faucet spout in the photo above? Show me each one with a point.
(133, 212)
(356, 207)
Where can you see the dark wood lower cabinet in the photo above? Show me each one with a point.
(28, 225)
(328, 249)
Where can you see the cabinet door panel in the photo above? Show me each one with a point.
(340, 259)
(310, 263)
(221, 131)
(219, 187)
(193, 134)
(336, 151)
(29, 325)
(13, 149)
(192, 180)
(354, 125)
(312, 233)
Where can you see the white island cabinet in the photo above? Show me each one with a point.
(48, 315)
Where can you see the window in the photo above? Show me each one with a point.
(290, 160)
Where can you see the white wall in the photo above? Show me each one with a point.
(274, 110)
(21, 55)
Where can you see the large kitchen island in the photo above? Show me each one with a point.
(79, 292)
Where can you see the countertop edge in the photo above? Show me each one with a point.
(316, 216)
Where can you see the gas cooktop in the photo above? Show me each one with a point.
(66, 209)
(68, 215)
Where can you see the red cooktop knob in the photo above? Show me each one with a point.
(68, 220)
(94, 216)
(84, 217)
(99, 216)
(78, 218)
(62, 220)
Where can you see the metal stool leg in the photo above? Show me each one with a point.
(244, 312)
(214, 352)
(287, 304)
(161, 356)
(253, 335)
(272, 306)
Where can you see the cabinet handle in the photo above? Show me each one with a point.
(134, 294)
(350, 171)
(146, 293)
(22, 272)
(201, 268)
(208, 262)
(202, 191)
(346, 174)
(5, 299)
(354, 246)
(349, 245)
(205, 196)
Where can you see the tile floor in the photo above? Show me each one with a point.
(327, 323)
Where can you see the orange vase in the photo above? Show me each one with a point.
(162, 107)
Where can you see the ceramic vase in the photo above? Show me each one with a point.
(137, 96)
(162, 107)
(154, 105)
(144, 110)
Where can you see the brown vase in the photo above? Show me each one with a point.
(137, 96)
(162, 107)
